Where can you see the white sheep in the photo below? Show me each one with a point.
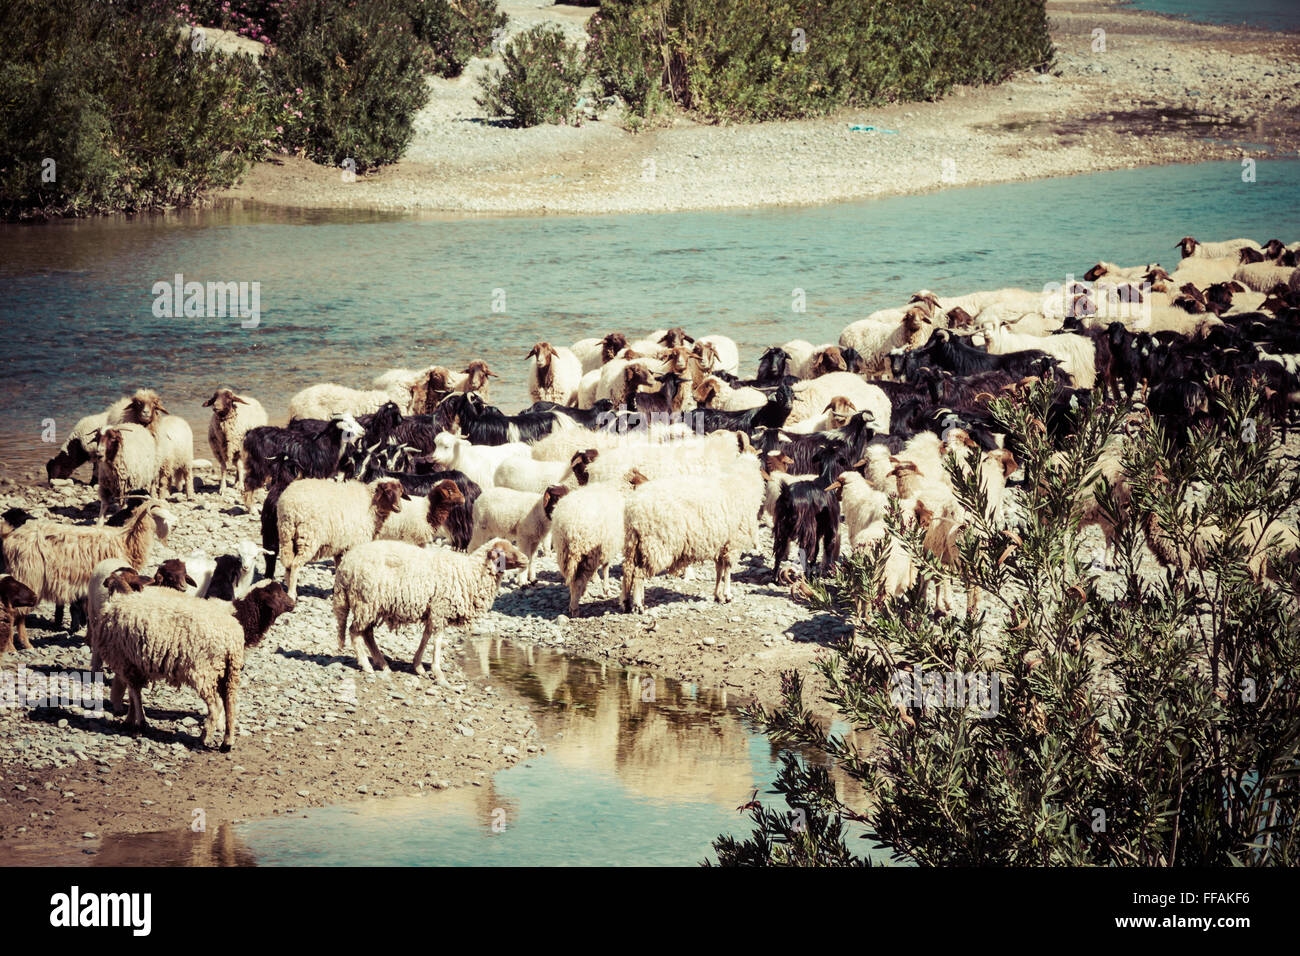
(860, 504)
(1262, 276)
(670, 523)
(812, 397)
(232, 417)
(593, 353)
(526, 473)
(554, 374)
(1077, 353)
(874, 340)
(398, 583)
(725, 355)
(56, 560)
(587, 527)
(175, 441)
(1228, 249)
(1203, 273)
(835, 415)
(161, 634)
(699, 456)
(320, 517)
(713, 392)
(519, 516)
(328, 399)
(563, 445)
(477, 462)
(588, 386)
(126, 459)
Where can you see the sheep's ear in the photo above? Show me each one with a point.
(208, 403)
(190, 581)
(532, 353)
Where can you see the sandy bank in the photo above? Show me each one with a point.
(1161, 91)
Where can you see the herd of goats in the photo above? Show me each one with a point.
(655, 452)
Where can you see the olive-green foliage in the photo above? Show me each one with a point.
(361, 70)
(764, 59)
(454, 32)
(1151, 723)
(132, 117)
(540, 82)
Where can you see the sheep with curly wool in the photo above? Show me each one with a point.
(562, 446)
(160, 634)
(525, 473)
(319, 518)
(670, 523)
(172, 573)
(593, 352)
(587, 528)
(56, 560)
(1262, 276)
(232, 417)
(717, 353)
(713, 392)
(521, 517)
(395, 583)
(327, 399)
(812, 397)
(1077, 353)
(554, 374)
(80, 445)
(127, 459)
(874, 340)
(700, 456)
(1227, 249)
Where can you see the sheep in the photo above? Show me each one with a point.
(1262, 276)
(159, 634)
(835, 415)
(56, 560)
(812, 397)
(1229, 248)
(172, 573)
(593, 353)
(899, 573)
(587, 527)
(801, 354)
(713, 392)
(670, 523)
(697, 457)
(328, 399)
(874, 340)
(398, 583)
(321, 518)
(553, 374)
(232, 417)
(1130, 273)
(227, 576)
(175, 440)
(127, 459)
(1203, 272)
(860, 503)
(13, 595)
(445, 508)
(589, 387)
(478, 462)
(79, 447)
(1076, 353)
(525, 473)
(718, 353)
(561, 446)
(519, 516)
(1264, 541)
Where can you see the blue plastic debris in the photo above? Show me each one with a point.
(859, 128)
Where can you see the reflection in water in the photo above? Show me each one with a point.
(638, 771)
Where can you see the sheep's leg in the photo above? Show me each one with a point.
(212, 699)
(363, 660)
(137, 718)
(20, 628)
(633, 587)
(221, 476)
(341, 615)
(189, 483)
(228, 687)
(604, 588)
(418, 663)
(58, 615)
(722, 578)
(376, 655)
(7, 644)
(115, 694)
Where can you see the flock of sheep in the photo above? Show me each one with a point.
(655, 452)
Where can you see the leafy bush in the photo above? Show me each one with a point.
(1151, 723)
(355, 72)
(131, 116)
(792, 58)
(454, 32)
(543, 72)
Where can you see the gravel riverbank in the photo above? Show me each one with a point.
(1152, 90)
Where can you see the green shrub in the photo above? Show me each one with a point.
(1153, 722)
(790, 58)
(355, 73)
(454, 32)
(543, 72)
(131, 116)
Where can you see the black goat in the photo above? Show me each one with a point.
(486, 424)
(771, 414)
(808, 513)
(944, 351)
(309, 448)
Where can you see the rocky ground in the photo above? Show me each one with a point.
(1158, 90)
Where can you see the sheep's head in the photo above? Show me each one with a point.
(676, 338)
(445, 446)
(144, 407)
(249, 552)
(172, 574)
(68, 459)
(349, 428)
(922, 514)
(1096, 272)
(13, 593)
(1247, 255)
(388, 496)
(915, 320)
(841, 410)
(580, 462)
(635, 377)
(707, 353)
(500, 556)
(125, 581)
(444, 498)
(635, 478)
(927, 300)
(153, 509)
(223, 402)
(707, 391)
(552, 495)
(478, 373)
(12, 519)
(959, 318)
(829, 359)
(258, 609)
(611, 345)
(958, 440)
(1273, 248)
(1187, 244)
(439, 380)
(777, 461)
